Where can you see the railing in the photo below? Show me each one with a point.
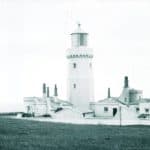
(80, 56)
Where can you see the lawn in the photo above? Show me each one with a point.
(18, 134)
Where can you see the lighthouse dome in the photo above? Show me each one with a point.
(79, 30)
(79, 37)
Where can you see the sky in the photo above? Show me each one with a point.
(35, 34)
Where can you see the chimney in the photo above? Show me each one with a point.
(55, 91)
(47, 91)
(108, 96)
(44, 88)
(126, 82)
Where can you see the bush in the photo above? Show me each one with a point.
(46, 115)
(27, 115)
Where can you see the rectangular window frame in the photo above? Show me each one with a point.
(74, 86)
(106, 109)
(147, 110)
(137, 109)
(74, 65)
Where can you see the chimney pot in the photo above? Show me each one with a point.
(126, 82)
(108, 93)
(47, 91)
(44, 88)
(55, 90)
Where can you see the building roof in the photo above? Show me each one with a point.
(79, 30)
(145, 100)
(60, 101)
(111, 100)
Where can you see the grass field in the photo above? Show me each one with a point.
(31, 135)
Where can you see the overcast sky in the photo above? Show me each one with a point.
(35, 34)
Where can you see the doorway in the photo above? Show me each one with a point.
(114, 111)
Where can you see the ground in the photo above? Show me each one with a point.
(16, 134)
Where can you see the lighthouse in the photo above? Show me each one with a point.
(80, 75)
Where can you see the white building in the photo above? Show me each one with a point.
(130, 105)
(80, 75)
(45, 105)
(80, 83)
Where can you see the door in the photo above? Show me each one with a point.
(114, 111)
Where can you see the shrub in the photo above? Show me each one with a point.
(46, 115)
(27, 115)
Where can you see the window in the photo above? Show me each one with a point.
(74, 65)
(146, 110)
(74, 86)
(137, 109)
(81, 39)
(90, 65)
(105, 109)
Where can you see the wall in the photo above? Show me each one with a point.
(82, 77)
(68, 114)
(99, 110)
(40, 109)
(129, 113)
(144, 106)
(29, 102)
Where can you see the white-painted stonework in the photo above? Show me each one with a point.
(80, 75)
(80, 107)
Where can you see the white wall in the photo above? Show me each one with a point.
(144, 106)
(82, 76)
(129, 113)
(68, 114)
(99, 110)
(40, 109)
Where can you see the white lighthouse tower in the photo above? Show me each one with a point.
(80, 76)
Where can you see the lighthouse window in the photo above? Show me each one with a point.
(81, 39)
(74, 65)
(74, 86)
